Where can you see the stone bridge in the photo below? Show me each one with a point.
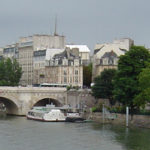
(19, 100)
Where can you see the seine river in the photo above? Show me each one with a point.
(18, 133)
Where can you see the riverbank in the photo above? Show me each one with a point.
(115, 118)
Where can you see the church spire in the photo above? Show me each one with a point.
(55, 33)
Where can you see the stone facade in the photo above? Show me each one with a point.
(106, 55)
(62, 68)
(25, 60)
(43, 41)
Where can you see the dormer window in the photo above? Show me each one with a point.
(76, 62)
(65, 62)
(105, 61)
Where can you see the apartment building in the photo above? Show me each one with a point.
(106, 55)
(41, 59)
(63, 68)
(26, 48)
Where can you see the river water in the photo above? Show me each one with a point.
(18, 133)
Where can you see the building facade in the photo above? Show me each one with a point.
(10, 51)
(27, 46)
(106, 55)
(63, 68)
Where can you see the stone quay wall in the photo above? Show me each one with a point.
(115, 118)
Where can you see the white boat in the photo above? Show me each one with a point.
(52, 114)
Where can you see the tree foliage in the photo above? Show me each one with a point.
(10, 72)
(144, 84)
(126, 85)
(103, 85)
(87, 75)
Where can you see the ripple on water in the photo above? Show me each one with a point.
(18, 133)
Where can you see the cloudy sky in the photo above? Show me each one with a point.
(81, 21)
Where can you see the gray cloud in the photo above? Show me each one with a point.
(81, 21)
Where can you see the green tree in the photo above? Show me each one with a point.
(144, 84)
(103, 85)
(87, 75)
(17, 72)
(126, 85)
(10, 72)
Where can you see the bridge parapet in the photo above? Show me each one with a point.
(30, 89)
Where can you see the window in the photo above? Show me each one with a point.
(65, 79)
(105, 61)
(76, 79)
(65, 62)
(76, 62)
(42, 76)
(70, 71)
(70, 79)
(111, 62)
(115, 61)
(65, 72)
(76, 72)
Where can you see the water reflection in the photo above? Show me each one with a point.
(129, 138)
(133, 138)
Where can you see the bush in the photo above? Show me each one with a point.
(97, 108)
(76, 87)
(117, 109)
(143, 112)
(72, 87)
(94, 109)
(69, 87)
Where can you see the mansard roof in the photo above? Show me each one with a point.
(64, 54)
(111, 54)
(60, 55)
(97, 50)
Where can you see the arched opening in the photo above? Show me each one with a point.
(45, 101)
(11, 107)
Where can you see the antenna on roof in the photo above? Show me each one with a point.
(50, 29)
(55, 33)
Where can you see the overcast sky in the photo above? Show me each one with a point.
(80, 21)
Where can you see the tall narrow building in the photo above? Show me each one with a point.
(26, 48)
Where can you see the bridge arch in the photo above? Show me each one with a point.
(43, 100)
(12, 107)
